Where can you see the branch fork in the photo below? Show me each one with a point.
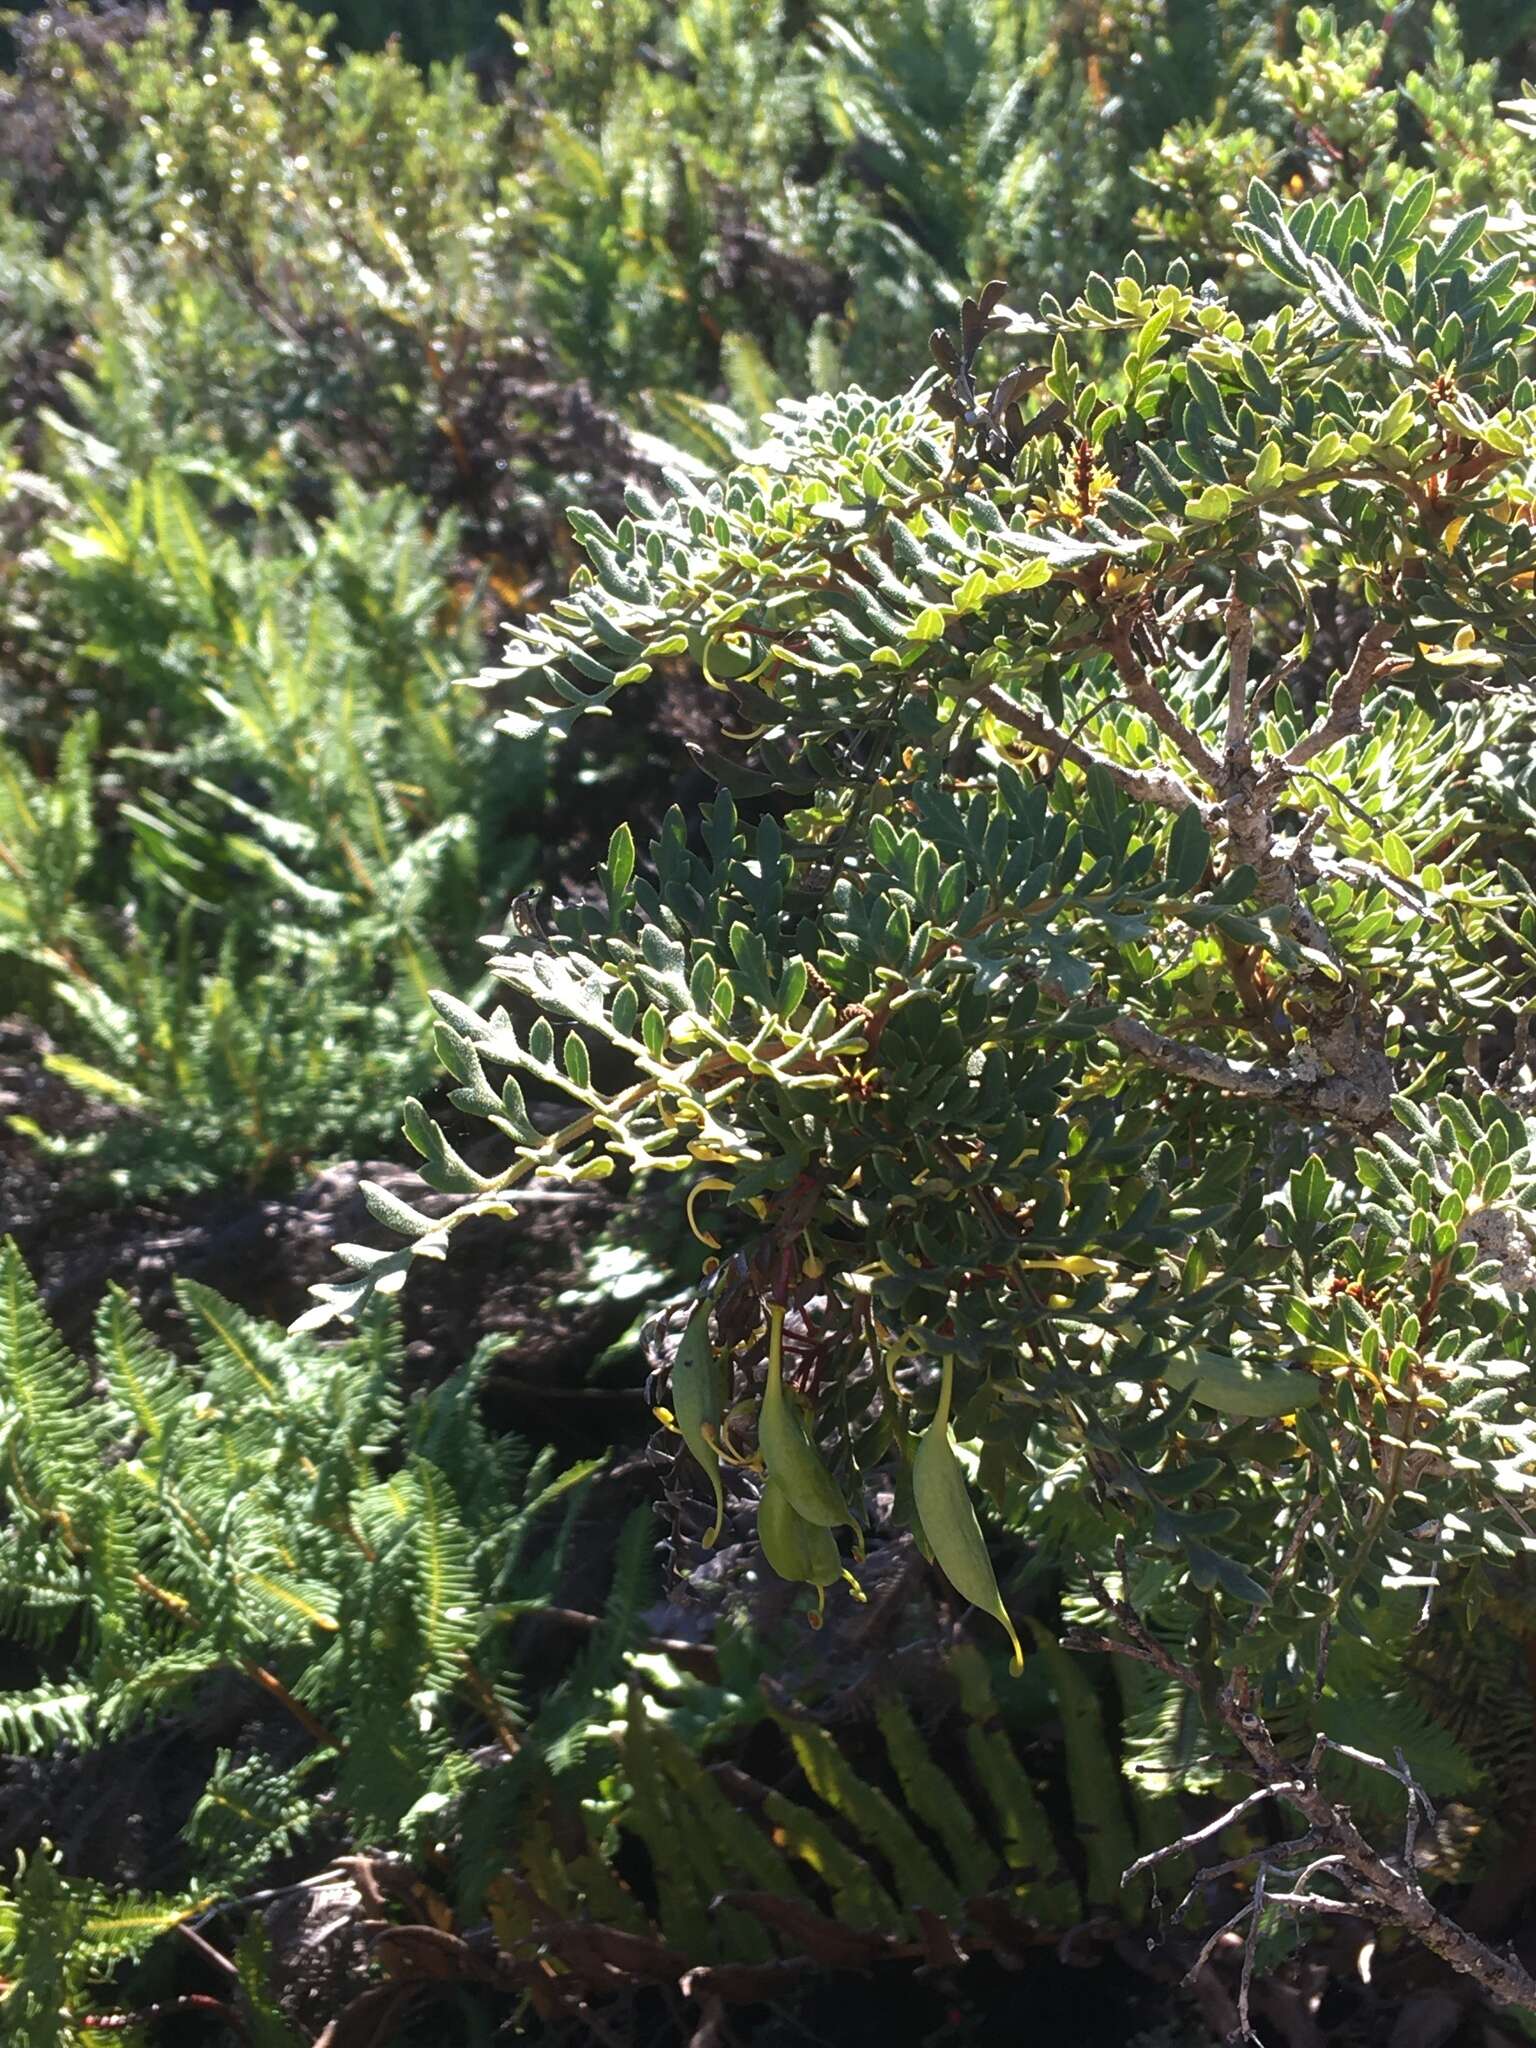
(1370, 1885)
(1343, 1077)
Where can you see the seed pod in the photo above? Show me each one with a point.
(791, 1459)
(697, 1395)
(949, 1520)
(795, 1548)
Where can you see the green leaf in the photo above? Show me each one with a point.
(1395, 853)
(578, 1065)
(1212, 505)
(621, 864)
(1309, 1191)
(1209, 1570)
(1234, 1387)
(1189, 852)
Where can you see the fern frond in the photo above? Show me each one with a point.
(447, 1602)
(110, 1531)
(41, 1591)
(253, 1964)
(569, 1716)
(873, 1817)
(38, 1721)
(115, 1930)
(123, 1702)
(248, 1814)
(1028, 1841)
(145, 1387)
(1472, 1673)
(1367, 1704)
(859, 1895)
(523, 1561)
(1165, 1744)
(653, 1815)
(40, 1960)
(287, 1603)
(934, 1799)
(243, 1361)
(52, 1429)
(389, 1762)
(597, 1669)
(447, 1429)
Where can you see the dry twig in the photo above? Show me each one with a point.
(1374, 1887)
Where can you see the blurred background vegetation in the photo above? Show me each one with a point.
(311, 330)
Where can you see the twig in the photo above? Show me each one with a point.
(1304, 1522)
(1375, 1763)
(485, 1695)
(1204, 1834)
(1194, 1063)
(666, 1646)
(1188, 1062)
(1209, 1872)
(329, 1876)
(1417, 1803)
(1145, 785)
(1507, 1079)
(1282, 672)
(1349, 694)
(1131, 1622)
(151, 2015)
(1086, 1643)
(1250, 1949)
(1342, 1097)
(270, 1682)
(1214, 1941)
(1376, 1890)
(1147, 697)
(1374, 1884)
(206, 1949)
(1304, 1878)
(1319, 1902)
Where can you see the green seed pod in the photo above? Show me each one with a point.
(949, 1521)
(795, 1548)
(791, 1459)
(697, 1395)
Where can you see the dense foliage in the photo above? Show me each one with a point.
(307, 356)
(1057, 1080)
(1019, 1060)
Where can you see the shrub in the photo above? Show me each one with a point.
(1089, 1014)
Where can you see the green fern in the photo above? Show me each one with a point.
(60, 1937)
(248, 1815)
(881, 1838)
(265, 1513)
(300, 820)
